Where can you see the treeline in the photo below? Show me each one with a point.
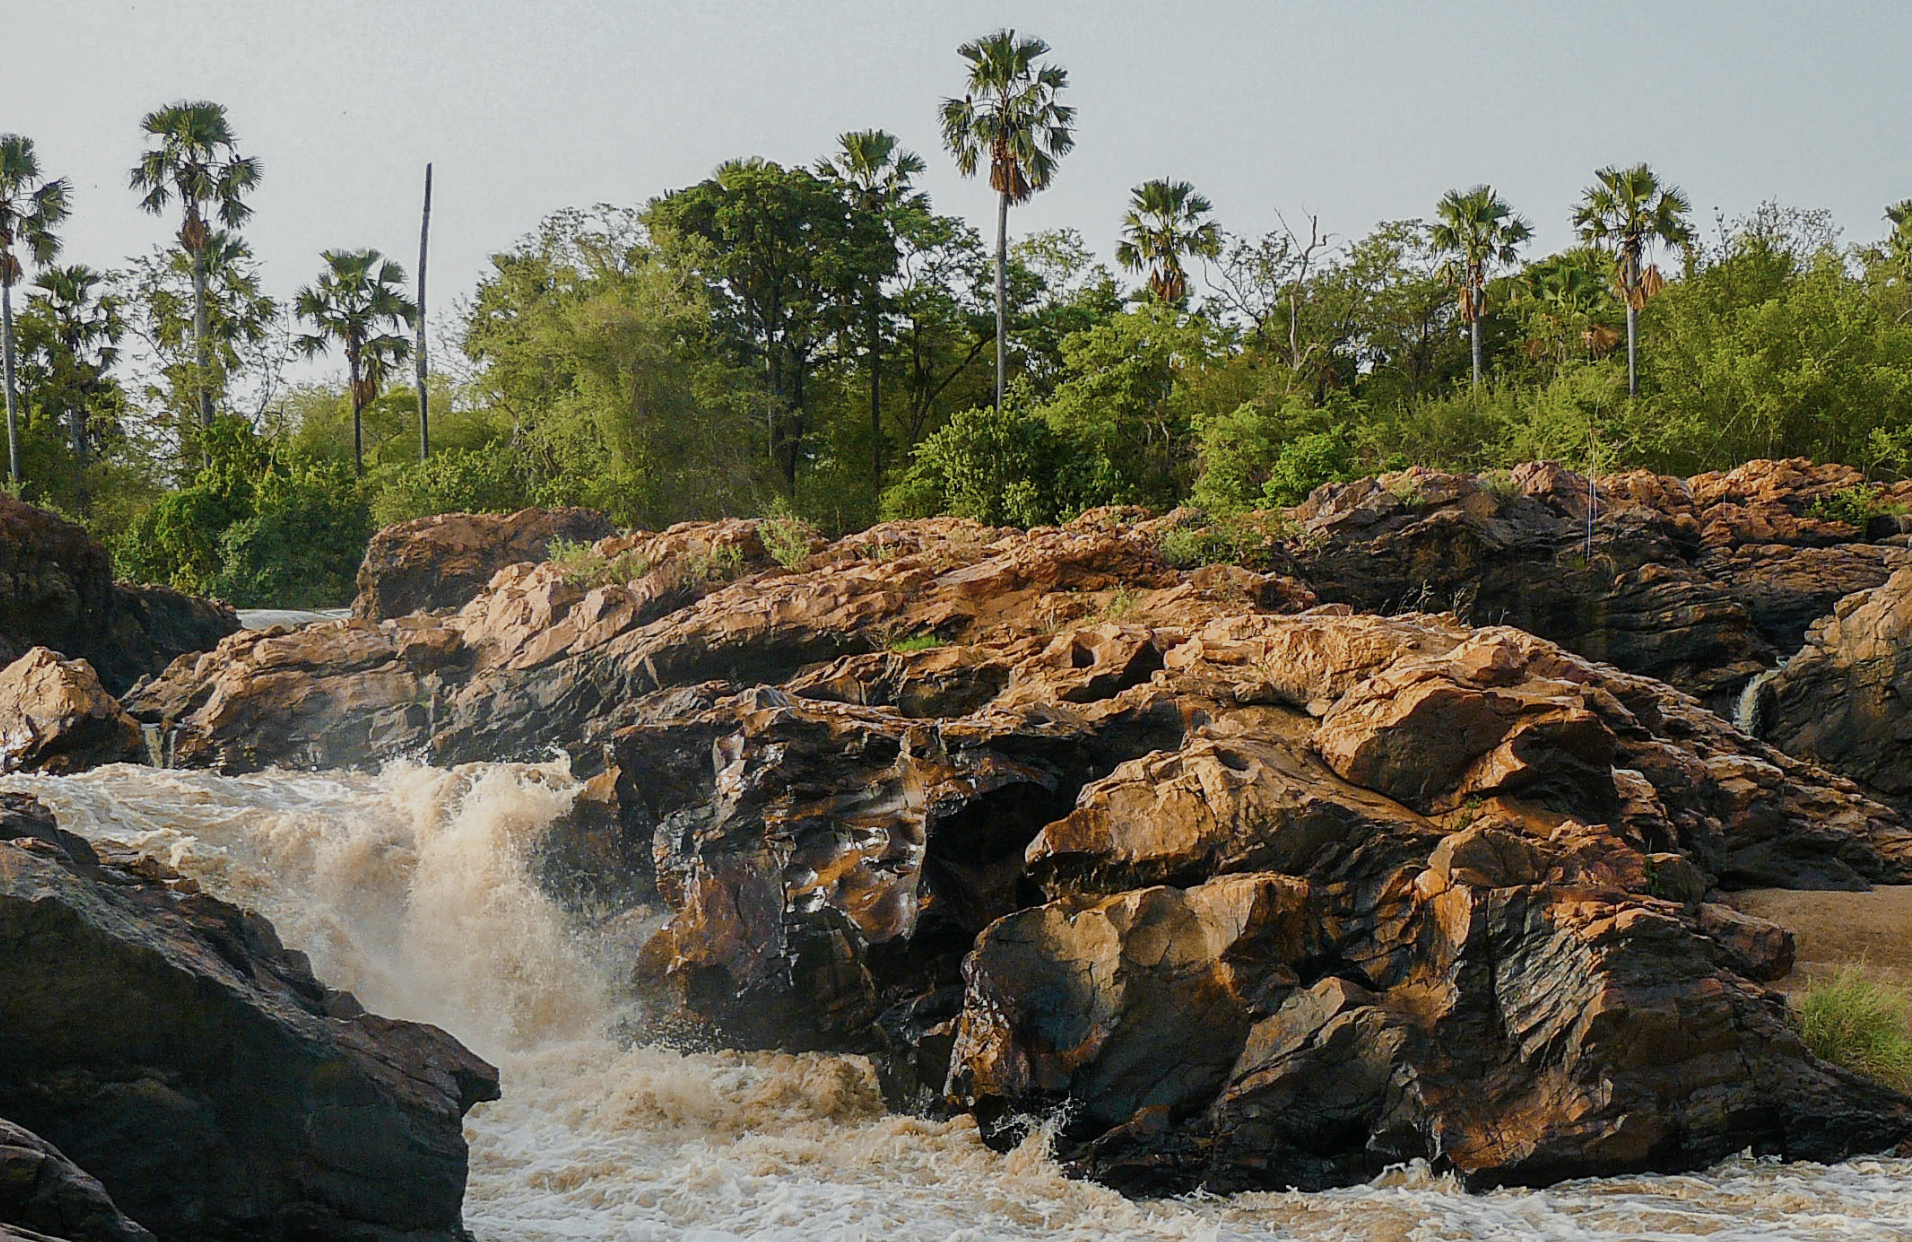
(820, 340)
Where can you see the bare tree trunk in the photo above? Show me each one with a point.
(1002, 292)
(76, 427)
(1473, 330)
(6, 364)
(420, 369)
(201, 354)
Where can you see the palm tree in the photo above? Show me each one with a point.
(1629, 212)
(30, 209)
(196, 161)
(1479, 231)
(1164, 222)
(359, 301)
(1571, 302)
(878, 174)
(1008, 112)
(86, 327)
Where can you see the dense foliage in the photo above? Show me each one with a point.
(820, 341)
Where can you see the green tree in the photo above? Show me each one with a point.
(83, 328)
(1629, 212)
(1166, 221)
(878, 174)
(783, 255)
(195, 160)
(31, 207)
(359, 301)
(1478, 232)
(1010, 114)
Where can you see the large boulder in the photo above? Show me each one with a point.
(170, 1046)
(444, 560)
(55, 717)
(41, 1190)
(1846, 699)
(57, 591)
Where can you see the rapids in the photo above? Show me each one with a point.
(412, 889)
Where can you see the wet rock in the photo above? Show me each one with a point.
(57, 591)
(56, 718)
(1846, 699)
(444, 560)
(170, 1046)
(41, 1190)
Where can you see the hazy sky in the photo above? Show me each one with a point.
(1357, 111)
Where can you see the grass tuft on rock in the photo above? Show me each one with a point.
(1861, 1025)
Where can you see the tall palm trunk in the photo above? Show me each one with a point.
(1002, 291)
(876, 402)
(6, 364)
(1473, 331)
(76, 427)
(419, 371)
(358, 410)
(1633, 339)
(201, 354)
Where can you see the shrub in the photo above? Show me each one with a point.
(1247, 539)
(1859, 1025)
(785, 535)
(1856, 505)
(917, 642)
(582, 565)
(487, 480)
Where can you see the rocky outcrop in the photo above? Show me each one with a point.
(57, 591)
(1701, 582)
(1846, 699)
(444, 560)
(171, 1047)
(55, 717)
(41, 1190)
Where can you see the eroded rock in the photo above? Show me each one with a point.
(55, 717)
(444, 560)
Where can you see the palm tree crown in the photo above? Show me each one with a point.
(195, 161)
(30, 209)
(1010, 112)
(873, 164)
(359, 301)
(1165, 221)
(1628, 211)
(1479, 231)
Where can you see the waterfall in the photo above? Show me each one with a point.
(1746, 709)
(414, 888)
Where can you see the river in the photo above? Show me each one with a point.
(411, 888)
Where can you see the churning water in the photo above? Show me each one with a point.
(411, 888)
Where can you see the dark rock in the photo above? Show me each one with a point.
(57, 591)
(41, 1190)
(169, 1045)
(1846, 699)
(444, 560)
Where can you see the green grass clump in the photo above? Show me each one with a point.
(786, 536)
(582, 565)
(918, 642)
(1856, 505)
(1247, 539)
(1860, 1025)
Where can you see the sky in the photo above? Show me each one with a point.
(1354, 111)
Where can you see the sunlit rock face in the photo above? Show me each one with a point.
(56, 717)
(1235, 887)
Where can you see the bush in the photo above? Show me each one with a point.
(1861, 1026)
(582, 565)
(1854, 505)
(485, 480)
(998, 467)
(1247, 539)
(785, 536)
(303, 545)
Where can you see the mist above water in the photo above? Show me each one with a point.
(413, 889)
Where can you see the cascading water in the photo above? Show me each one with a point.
(1746, 708)
(412, 889)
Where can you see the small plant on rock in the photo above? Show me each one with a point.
(1856, 505)
(583, 565)
(916, 642)
(1860, 1025)
(785, 535)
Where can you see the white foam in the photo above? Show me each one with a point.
(410, 888)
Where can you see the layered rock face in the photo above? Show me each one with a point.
(173, 1049)
(1257, 891)
(1846, 699)
(442, 561)
(57, 591)
(1702, 582)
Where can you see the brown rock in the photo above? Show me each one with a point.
(1846, 699)
(444, 560)
(55, 717)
